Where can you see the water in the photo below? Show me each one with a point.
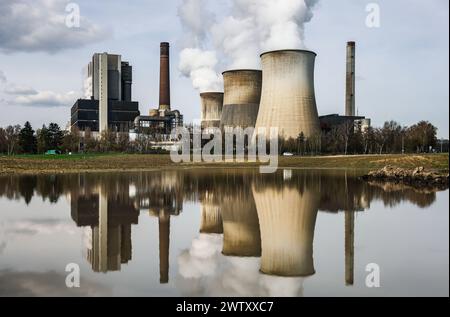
(216, 232)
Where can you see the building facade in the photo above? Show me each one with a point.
(107, 104)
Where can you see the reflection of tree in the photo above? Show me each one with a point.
(339, 191)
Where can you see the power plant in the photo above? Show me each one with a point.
(108, 104)
(241, 98)
(280, 96)
(109, 107)
(351, 116)
(162, 120)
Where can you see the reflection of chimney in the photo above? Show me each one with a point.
(164, 80)
(349, 247)
(164, 245)
(350, 107)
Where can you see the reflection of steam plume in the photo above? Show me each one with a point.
(241, 226)
(211, 221)
(287, 218)
(275, 286)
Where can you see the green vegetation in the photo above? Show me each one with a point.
(41, 164)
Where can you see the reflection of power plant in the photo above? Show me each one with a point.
(164, 202)
(211, 214)
(349, 247)
(109, 218)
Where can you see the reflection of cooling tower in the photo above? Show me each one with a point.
(288, 99)
(241, 99)
(241, 227)
(212, 104)
(287, 219)
(211, 218)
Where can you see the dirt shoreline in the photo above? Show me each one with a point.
(419, 177)
(29, 165)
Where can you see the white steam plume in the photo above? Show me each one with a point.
(257, 26)
(196, 62)
(251, 28)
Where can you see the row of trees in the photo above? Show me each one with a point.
(25, 140)
(345, 139)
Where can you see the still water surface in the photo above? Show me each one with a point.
(216, 232)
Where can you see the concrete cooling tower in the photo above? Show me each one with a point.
(212, 104)
(287, 219)
(242, 98)
(288, 99)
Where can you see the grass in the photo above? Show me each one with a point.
(43, 164)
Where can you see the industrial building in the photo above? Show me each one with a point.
(108, 104)
(328, 122)
(241, 98)
(163, 120)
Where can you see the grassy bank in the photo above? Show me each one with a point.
(37, 164)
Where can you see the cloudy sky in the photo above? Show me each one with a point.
(402, 66)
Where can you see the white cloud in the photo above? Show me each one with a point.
(30, 97)
(46, 99)
(39, 26)
(19, 90)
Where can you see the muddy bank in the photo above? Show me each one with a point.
(419, 177)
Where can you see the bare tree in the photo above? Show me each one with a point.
(12, 138)
(345, 132)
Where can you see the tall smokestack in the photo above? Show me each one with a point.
(350, 106)
(164, 79)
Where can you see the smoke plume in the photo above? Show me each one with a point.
(196, 62)
(250, 28)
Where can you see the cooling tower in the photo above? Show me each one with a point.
(287, 219)
(350, 106)
(242, 98)
(288, 99)
(212, 104)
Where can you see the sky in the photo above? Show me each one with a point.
(402, 65)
